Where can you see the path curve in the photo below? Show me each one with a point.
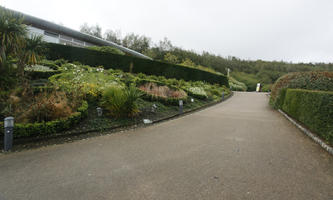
(239, 149)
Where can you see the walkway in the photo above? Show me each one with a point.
(239, 149)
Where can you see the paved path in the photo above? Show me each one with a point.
(240, 149)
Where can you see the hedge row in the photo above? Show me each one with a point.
(315, 80)
(51, 127)
(312, 108)
(131, 64)
(35, 75)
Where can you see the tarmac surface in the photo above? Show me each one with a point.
(239, 149)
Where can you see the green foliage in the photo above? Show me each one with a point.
(266, 87)
(121, 102)
(107, 49)
(197, 92)
(51, 127)
(171, 58)
(89, 81)
(248, 79)
(236, 85)
(313, 108)
(149, 67)
(12, 34)
(303, 80)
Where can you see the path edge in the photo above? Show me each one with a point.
(308, 133)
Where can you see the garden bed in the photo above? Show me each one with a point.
(93, 126)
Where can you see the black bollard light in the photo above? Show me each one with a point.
(222, 96)
(9, 129)
(99, 111)
(180, 106)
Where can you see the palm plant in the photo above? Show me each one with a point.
(29, 54)
(12, 34)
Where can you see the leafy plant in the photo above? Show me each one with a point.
(121, 102)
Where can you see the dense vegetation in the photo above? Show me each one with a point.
(246, 71)
(46, 97)
(307, 97)
(132, 64)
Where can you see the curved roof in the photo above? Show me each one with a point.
(43, 24)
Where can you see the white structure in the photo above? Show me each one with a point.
(55, 33)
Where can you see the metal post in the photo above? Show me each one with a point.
(9, 129)
(180, 106)
(99, 111)
(222, 96)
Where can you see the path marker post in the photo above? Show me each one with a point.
(9, 129)
(180, 106)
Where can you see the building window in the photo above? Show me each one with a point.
(51, 34)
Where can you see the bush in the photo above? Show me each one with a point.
(121, 102)
(302, 80)
(312, 108)
(107, 49)
(158, 91)
(236, 85)
(132, 64)
(249, 80)
(266, 87)
(51, 127)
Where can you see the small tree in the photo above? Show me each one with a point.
(170, 58)
(12, 34)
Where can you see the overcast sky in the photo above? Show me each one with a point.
(289, 30)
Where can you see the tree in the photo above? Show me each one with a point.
(136, 42)
(113, 36)
(165, 45)
(91, 30)
(29, 53)
(188, 62)
(12, 33)
(170, 58)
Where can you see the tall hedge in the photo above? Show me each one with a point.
(131, 64)
(312, 108)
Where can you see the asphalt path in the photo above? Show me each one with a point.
(239, 149)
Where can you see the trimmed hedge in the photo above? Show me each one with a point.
(51, 127)
(312, 108)
(35, 75)
(131, 64)
(302, 80)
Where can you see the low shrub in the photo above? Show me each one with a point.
(50, 127)
(157, 91)
(312, 108)
(197, 92)
(121, 102)
(236, 85)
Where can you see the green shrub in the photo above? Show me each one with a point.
(303, 80)
(266, 87)
(121, 102)
(48, 128)
(312, 108)
(197, 92)
(236, 85)
(123, 62)
(107, 49)
(250, 80)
